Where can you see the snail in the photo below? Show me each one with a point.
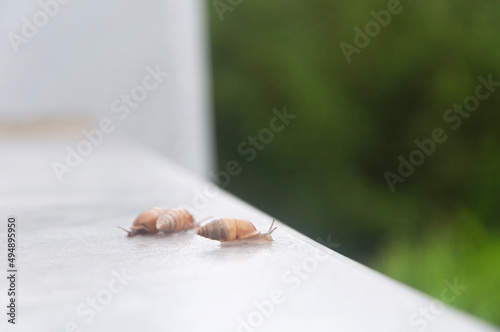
(230, 229)
(163, 220)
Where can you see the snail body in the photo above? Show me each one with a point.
(163, 220)
(231, 230)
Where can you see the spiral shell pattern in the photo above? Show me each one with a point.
(174, 220)
(228, 229)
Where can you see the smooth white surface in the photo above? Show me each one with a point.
(70, 246)
(92, 52)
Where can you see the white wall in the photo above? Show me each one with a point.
(91, 52)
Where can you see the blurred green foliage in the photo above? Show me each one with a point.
(324, 174)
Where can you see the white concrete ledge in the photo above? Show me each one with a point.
(72, 255)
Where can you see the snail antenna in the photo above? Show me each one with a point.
(271, 229)
(128, 232)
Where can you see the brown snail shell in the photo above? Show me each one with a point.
(159, 219)
(174, 220)
(231, 229)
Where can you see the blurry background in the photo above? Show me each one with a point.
(324, 174)
(77, 62)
